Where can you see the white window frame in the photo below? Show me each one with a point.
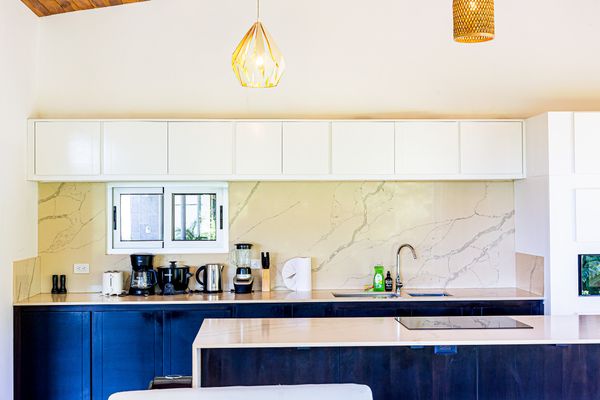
(167, 246)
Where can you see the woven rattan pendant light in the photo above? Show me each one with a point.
(473, 20)
(257, 62)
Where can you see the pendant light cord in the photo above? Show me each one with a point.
(257, 10)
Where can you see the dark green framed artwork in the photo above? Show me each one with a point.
(589, 274)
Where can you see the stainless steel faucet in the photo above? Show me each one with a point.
(414, 253)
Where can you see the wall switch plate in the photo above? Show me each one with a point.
(81, 268)
(255, 263)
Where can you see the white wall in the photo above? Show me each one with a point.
(18, 222)
(389, 58)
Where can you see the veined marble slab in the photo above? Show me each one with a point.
(463, 232)
(274, 297)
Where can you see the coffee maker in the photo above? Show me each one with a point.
(243, 279)
(143, 275)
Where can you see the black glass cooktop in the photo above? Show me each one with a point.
(422, 323)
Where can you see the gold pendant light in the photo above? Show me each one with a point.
(473, 20)
(257, 62)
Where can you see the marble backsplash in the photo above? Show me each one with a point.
(463, 231)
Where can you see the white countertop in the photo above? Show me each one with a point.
(354, 332)
(47, 299)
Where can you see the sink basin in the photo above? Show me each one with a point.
(365, 294)
(429, 294)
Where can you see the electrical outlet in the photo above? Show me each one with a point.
(81, 268)
(255, 263)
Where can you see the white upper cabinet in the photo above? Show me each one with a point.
(362, 148)
(135, 148)
(258, 148)
(200, 148)
(427, 148)
(67, 148)
(586, 142)
(306, 148)
(491, 148)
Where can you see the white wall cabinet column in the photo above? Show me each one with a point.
(424, 148)
(362, 148)
(586, 140)
(258, 148)
(491, 148)
(306, 148)
(67, 148)
(135, 148)
(200, 148)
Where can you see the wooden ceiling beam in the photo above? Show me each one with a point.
(43, 8)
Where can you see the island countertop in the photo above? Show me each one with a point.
(359, 332)
(316, 296)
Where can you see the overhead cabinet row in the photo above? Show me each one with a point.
(277, 150)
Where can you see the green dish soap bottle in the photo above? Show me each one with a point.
(378, 279)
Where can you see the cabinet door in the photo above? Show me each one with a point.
(201, 148)
(258, 148)
(181, 328)
(371, 309)
(126, 350)
(411, 373)
(427, 148)
(52, 355)
(135, 148)
(362, 148)
(258, 310)
(587, 141)
(306, 148)
(491, 148)
(67, 148)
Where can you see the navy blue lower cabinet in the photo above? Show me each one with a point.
(180, 330)
(127, 350)
(312, 310)
(52, 355)
(411, 373)
(263, 366)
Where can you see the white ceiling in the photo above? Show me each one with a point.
(345, 58)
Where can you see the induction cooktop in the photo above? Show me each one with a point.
(425, 323)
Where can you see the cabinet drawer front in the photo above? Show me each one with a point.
(306, 148)
(362, 148)
(493, 148)
(258, 148)
(427, 148)
(135, 148)
(67, 148)
(200, 148)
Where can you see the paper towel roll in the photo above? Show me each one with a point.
(297, 274)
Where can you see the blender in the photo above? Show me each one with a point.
(243, 279)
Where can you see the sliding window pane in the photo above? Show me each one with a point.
(141, 217)
(195, 217)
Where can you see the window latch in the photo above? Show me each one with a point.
(114, 218)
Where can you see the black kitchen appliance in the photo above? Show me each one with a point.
(173, 279)
(143, 275)
(243, 279)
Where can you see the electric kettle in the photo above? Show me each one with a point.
(211, 281)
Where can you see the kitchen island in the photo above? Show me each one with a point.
(559, 358)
